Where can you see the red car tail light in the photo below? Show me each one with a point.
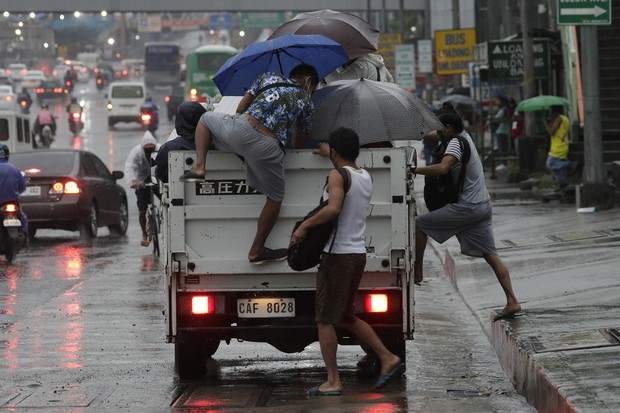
(167, 99)
(203, 304)
(376, 303)
(69, 187)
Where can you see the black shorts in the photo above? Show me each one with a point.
(144, 198)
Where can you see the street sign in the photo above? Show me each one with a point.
(584, 12)
(454, 49)
(425, 56)
(221, 21)
(404, 55)
(262, 20)
(506, 59)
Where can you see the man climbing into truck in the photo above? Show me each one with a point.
(258, 132)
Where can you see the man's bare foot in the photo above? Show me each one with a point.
(386, 367)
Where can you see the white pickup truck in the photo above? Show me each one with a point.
(214, 294)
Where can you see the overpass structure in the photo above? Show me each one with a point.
(154, 6)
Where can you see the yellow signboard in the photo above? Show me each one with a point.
(387, 45)
(454, 50)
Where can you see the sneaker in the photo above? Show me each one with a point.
(270, 255)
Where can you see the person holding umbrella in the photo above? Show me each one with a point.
(557, 159)
(258, 131)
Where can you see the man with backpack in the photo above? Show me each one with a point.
(469, 218)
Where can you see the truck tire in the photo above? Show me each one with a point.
(190, 358)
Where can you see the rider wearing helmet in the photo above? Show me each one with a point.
(74, 106)
(12, 183)
(45, 117)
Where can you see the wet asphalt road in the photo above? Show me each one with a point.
(82, 330)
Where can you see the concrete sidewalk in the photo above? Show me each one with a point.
(563, 353)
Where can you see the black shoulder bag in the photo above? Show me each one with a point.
(442, 190)
(307, 253)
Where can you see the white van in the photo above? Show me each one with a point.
(124, 102)
(15, 131)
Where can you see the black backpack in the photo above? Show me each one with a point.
(442, 190)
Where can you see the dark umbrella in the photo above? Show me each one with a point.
(377, 111)
(461, 103)
(278, 55)
(353, 33)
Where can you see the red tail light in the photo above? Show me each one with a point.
(68, 83)
(146, 117)
(76, 115)
(167, 99)
(69, 187)
(10, 208)
(23, 103)
(376, 303)
(203, 304)
(99, 81)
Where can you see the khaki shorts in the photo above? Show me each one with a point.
(337, 282)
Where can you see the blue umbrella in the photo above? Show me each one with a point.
(280, 55)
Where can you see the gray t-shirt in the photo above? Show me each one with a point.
(474, 189)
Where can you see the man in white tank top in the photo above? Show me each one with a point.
(340, 271)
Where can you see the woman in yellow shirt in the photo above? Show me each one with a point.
(557, 158)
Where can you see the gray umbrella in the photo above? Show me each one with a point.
(461, 103)
(356, 36)
(377, 111)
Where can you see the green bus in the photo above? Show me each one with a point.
(201, 65)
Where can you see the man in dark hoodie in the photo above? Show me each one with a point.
(188, 115)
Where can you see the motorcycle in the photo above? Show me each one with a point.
(47, 136)
(100, 81)
(75, 122)
(12, 237)
(149, 119)
(24, 105)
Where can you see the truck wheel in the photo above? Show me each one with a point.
(397, 346)
(210, 347)
(190, 360)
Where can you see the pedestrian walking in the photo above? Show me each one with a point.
(557, 158)
(340, 270)
(469, 219)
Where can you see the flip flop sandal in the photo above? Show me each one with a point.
(191, 176)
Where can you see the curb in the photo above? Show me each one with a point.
(527, 376)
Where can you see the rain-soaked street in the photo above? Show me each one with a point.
(82, 329)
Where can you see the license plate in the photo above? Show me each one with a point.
(265, 307)
(32, 191)
(10, 222)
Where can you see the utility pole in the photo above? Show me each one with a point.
(593, 143)
(529, 84)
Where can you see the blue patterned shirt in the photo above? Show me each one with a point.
(281, 107)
